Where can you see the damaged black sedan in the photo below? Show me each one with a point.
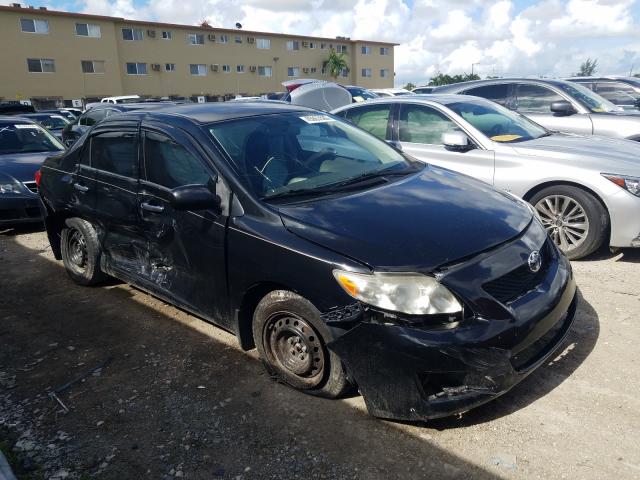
(342, 260)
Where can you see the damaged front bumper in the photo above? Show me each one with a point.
(407, 372)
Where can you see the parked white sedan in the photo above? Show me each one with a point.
(586, 190)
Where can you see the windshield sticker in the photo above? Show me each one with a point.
(505, 138)
(24, 125)
(317, 119)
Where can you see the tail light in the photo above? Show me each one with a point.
(291, 87)
(38, 176)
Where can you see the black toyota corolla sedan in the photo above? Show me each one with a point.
(343, 261)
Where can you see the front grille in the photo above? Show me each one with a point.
(31, 186)
(519, 281)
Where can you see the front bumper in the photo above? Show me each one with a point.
(624, 213)
(17, 209)
(421, 373)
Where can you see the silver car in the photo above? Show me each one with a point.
(586, 190)
(556, 104)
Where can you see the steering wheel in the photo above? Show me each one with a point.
(325, 152)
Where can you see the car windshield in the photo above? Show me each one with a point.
(26, 138)
(496, 122)
(361, 94)
(51, 121)
(311, 152)
(589, 99)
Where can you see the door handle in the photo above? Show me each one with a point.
(80, 188)
(151, 208)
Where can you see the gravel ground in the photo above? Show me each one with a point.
(178, 398)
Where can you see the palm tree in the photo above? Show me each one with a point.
(336, 63)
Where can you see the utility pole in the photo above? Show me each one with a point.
(472, 65)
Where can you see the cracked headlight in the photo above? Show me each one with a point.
(408, 293)
(630, 184)
(10, 187)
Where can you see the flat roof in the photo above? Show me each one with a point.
(89, 16)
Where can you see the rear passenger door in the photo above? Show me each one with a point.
(114, 159)
(185, 250)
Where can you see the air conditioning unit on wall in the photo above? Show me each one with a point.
(211, 37)
(305, 70)
(305, 44)
(214, 67)
(151, 33)
(156, 67)
(251, 40)
(253, 68)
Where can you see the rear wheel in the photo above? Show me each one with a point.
(291, 339)
(81, 252)
(575, 220)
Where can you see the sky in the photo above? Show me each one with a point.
(505, 38)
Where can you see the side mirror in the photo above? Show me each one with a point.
(457, 141)
(562, 108)
(195, 197)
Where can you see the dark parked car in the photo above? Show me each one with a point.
(338, 257)
(51, 121)
(23, 147)
(62, 112)
(557, 105)
(425, 89)
(621, 91)
(15, 108)
(84, 122)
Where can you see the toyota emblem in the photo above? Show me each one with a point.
(535, 261)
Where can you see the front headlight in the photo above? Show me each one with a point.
(630, 184)
(12, 187)
(409, 293)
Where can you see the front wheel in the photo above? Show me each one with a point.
(291, 339)
(574, 219)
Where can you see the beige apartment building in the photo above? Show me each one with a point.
(51, 57)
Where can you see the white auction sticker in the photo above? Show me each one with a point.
(317, 119)
(26, 125)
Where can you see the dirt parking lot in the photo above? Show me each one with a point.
(178, 398)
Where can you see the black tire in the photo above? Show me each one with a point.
(284, 323)
(81, 252)
(592, 223)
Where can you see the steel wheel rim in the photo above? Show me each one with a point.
(565, 220)
(294, 346)
(77, 248)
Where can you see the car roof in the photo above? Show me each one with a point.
(13, 119)
(493, 81)
(443, 99)
(204, 113)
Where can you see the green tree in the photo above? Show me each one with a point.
(446, 79)
(336, 63)
(409, 86)
(588, 68)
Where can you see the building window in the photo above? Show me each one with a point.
(166, 35)
(29, 25)
(384, 50)
(92, 66)
(323, 71)
(239, 68)
(41, 65)
(136, 68)
(293, 72)
(384, 73)
(341, 48)
(293, 45)
(366, 72)
(226, 68)
(238, 39)
(263, 43)
(195, 38)
(198, 69)
(132, 34)
(365, 50)
(323, 46)
(345, 72)
(312, 44)
(223, 38)
(265, 71)
(169, 67)
(313, 69)
(88, 30)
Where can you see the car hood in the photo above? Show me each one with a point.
(22, 166)
(414, 224)
(601, 153)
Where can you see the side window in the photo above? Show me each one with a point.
(93, 117)
(373, 119)
(617, 93)
(496, 93)
(170, 165)
(536, 99)
(422, 124)
(115, 152)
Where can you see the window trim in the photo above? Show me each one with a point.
(169, 37)
(198, 65)
(35, 29)
(268, 43)
(42, 70)
(133, 36)
(195, 36)
(88, 35)
(136, 64)
(93, 66)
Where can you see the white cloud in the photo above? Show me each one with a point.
(549, 37)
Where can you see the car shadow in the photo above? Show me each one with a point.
(577, 346)
(625, 255)
(22, 229)
(177, 395)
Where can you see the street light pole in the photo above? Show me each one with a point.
(472, 65)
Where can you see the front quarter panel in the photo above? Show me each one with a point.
(617, 126)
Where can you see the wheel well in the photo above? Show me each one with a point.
(54, 223)
(244, 315)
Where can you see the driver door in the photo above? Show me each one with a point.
(420, 129)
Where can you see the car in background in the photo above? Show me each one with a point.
(74, 111)
(585, 189)
(122, 99)
(555, 104)
(621, 91)
(391, 92)
(53, 122)
(62, 112)
(341, 259)
(23, 147)
(15, 108)
(74, 130)
(360, 94)
(424, 89)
